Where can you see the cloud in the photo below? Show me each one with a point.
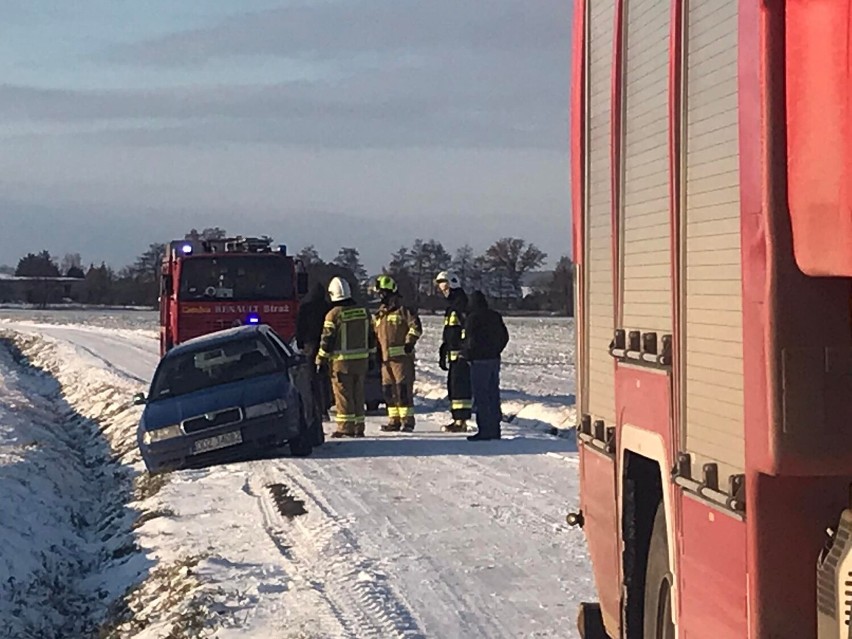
(461, 100)
(336, 29)
(369, 122)
(396, 73)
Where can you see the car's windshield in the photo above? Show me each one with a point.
(222, 364)
(237, 278)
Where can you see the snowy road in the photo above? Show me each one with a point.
(401, 536)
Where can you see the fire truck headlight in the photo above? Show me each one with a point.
(186, 249)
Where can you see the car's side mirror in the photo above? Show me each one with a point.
(139, 398)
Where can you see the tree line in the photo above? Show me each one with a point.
(507, 271)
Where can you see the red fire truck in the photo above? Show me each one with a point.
(209, 285)
(712, 233)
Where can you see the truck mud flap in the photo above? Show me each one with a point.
(590, 623)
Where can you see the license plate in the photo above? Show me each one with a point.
(215, 443)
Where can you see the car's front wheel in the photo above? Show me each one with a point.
(303, 445)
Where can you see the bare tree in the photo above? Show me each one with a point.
(71, 261)
(147, 266)
(309, 256)
(561, 291)
(400, 262)
(463, 265)
(511, 257)
(349, 258)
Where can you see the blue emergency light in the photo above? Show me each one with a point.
(186, 249)
(253, 319)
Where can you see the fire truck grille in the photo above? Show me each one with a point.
(827, 577)
(212, 420)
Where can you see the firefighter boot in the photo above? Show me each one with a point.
(359, 430)
(344, 429)
(392, 426)
(457, 426)
(408, 426)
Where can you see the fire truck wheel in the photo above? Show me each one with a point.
(658, 579)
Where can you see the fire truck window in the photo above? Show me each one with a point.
(194, 371)
(236, 278)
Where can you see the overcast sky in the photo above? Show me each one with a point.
(336, 122)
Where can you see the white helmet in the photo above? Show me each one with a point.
(450, 278)
(338, 289)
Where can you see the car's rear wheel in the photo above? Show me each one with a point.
(659, 622)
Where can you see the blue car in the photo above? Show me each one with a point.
(225, 395)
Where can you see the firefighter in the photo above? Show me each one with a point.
(398, 328)
(348, 344)
(449, 355)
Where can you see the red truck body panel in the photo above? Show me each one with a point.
(743, 570)
(184, 316)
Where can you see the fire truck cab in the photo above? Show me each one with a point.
(712, 237)
(209, 285)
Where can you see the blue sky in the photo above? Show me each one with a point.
(331, 123)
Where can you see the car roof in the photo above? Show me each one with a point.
(219, 337)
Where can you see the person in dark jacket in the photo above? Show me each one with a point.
(312, 312)
(485, 337)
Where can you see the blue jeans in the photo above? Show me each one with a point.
(485, 379)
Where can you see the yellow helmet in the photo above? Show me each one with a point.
(385, 283)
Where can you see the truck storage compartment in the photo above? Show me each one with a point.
(819, 138)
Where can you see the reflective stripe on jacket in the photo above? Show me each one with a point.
(347, 334)
(454, 319)
(396, 327)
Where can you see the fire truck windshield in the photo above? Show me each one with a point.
(236, 278)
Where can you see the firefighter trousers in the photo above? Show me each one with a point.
(458, 388)
(349, 402)
(398, 390)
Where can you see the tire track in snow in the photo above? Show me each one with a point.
(453, 600)
(326, 555)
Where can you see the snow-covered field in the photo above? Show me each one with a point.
(423, 535)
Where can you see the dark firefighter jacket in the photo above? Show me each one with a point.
(348, 339)
(397, 326)
(485, 334)
(312, 312)
(454, 319)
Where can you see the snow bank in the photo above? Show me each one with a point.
(75, 501)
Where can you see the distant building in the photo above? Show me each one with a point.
(40, 290)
